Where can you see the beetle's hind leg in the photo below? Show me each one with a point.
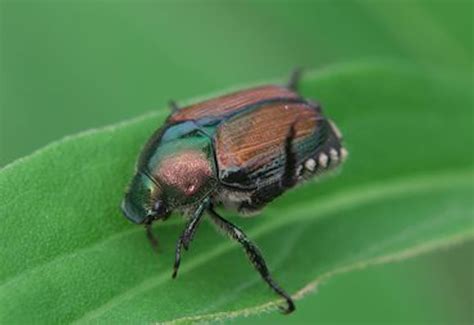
(295, 78)
(254, 255)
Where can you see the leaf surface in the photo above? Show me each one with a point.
(68, 254)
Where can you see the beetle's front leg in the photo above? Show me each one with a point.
(151, 237)
(188, 234)
(254, 256)
(149, 230)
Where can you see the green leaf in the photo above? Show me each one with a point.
(69, 255)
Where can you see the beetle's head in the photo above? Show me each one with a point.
(143, 201)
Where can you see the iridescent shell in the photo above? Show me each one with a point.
(234, 145)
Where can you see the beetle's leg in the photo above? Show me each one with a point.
(295, 78)
(187, 235)
(290, 178)
(254, 255)
(151, 237)
(173, 106)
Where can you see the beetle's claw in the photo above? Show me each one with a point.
(289, 308)
(175, 270)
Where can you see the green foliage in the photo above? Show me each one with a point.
(68, 254)
(67, 67)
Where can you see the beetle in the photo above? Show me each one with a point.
(240, 150)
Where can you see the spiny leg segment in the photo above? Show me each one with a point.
(187, 235)
(254, 255)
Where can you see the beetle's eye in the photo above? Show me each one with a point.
(159, 208)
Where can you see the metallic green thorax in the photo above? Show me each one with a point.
(176, 168)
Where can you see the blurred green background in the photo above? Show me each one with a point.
(76, 65)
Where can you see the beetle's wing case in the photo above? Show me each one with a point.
(232, 103)
(250, 147)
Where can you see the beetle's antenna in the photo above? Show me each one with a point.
(173, 106)
(295, 78)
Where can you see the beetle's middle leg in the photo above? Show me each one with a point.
(254, 255)
(187, 235)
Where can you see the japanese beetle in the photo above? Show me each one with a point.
(240, 150)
